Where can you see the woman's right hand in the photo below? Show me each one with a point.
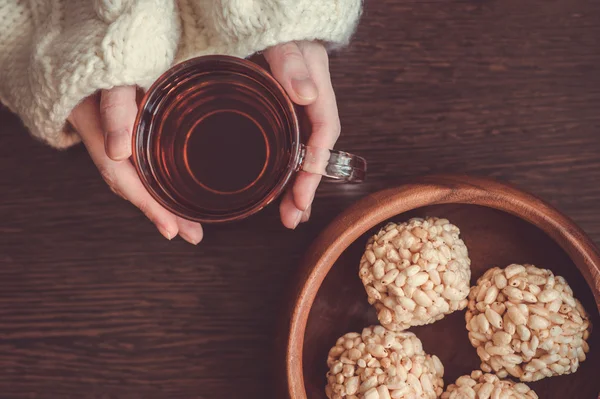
(105, 124)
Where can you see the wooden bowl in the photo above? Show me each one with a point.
(499, 224)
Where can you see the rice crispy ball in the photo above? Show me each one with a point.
(525, 322)
(416, 272)
(382, 364)
(485, 386)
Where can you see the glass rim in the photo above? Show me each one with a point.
(140, 157)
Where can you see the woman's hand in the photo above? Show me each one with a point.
(105, 124)
(302, 68)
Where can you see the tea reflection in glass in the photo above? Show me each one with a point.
(217, 139)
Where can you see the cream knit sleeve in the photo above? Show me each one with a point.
(54, 53)
(244, 27)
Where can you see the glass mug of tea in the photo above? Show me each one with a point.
(216, 139)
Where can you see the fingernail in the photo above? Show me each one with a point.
(305, 88)
(298, 219)
(191, 237)
(166, 233)
(306, 215)
(118, 145)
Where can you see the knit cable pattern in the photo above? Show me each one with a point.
(54, 53)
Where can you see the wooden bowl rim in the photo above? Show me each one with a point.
(383, 205)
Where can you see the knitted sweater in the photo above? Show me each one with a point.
(54, 53)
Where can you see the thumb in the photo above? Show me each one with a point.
(289, 68)
(118, 110)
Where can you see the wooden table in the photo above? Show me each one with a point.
(95, 303)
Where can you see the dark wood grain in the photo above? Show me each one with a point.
(94, 303)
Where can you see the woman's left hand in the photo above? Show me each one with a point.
(302, 68)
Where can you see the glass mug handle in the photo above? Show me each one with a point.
(336, 166)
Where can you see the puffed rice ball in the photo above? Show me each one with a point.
(382, 364)
(484, 386)
(525, 322)
(416, 272)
